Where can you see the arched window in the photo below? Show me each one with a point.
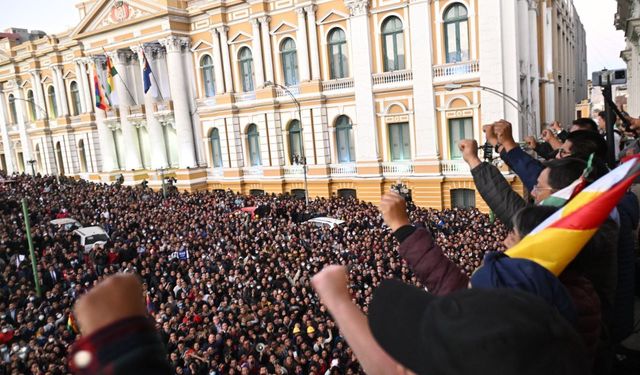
(216, 151)
(51, 93)
(83, 156)
(32, 105)
(456, 34)
(206, 65)
(246, 69)
(295, 142)
(12, 107)
(338, 54)
(344, 140)
(289, 62)
(254, 145)
(75, 98)
(393, 44)
(59, 159)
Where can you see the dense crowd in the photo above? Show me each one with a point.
(230, 291)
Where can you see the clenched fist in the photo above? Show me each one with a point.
(531, 141)
(116, 298)
(331, 284)
(503, 131)
(394, 211)
(469, 149)
(491, 135)
(547, 135)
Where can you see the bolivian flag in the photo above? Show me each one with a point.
(111, 72)
(71, 324)
(101, 101)
(560, 238)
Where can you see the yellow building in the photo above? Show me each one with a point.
(373, 80)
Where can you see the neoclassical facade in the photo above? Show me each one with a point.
(373, 79)
(628, 20)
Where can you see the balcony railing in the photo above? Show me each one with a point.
(244, 97)
(293, 170)
(344, 169)
(214, 172)
(337, 84)
(206, 102)
(397, 168)
(448, 70)
(163, 106)
(453, 167)
(253, 171)
(399, 76)
(282, 93)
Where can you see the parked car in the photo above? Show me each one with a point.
(90, 236)
(326, 222)
(68, 224)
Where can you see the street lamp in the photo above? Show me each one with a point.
(304, 158)
(164, 189)
(33, 170)
(509, 99)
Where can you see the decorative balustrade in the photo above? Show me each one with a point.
(253, 171)
(397, 168)
(244, 97)
(448, 70)
(163, 106)
(450, 167)
(393, 77)
(215, 172)
(282, 93)
(344, 169)
(337, 84)
(293, 170)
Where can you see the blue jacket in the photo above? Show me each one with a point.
(525, 166)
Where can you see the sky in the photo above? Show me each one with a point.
(604, 42)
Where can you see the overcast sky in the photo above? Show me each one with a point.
(604, 43)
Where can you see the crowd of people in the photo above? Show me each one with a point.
(229, 291)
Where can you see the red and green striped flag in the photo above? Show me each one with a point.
(71, 324)
(101, 101)
(559, 239)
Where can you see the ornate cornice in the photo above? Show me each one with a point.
(357, 7)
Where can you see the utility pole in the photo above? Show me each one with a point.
(33, 170)
(25, 214)
(164, 188)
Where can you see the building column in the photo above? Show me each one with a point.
(226, 59)
(63, 105)
(217, 62)
(121, 60)
(175, 47)
(266, 45)
(156, 136)
(89, 97)
(535, 70)
(109, 160)
(303, 49)
(425, 116)
(41, 112)
(25, 139)
(84, 106)
(257, 52)
(366, 121)
(313, 42)
(9, 156)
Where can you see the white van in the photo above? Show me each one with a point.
(90, 236)
(326, 222)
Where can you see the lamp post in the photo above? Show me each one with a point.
(509, 99)
(164, 189)
(304, 158)
(33, 170)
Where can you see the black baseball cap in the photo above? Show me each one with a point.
(474, 331)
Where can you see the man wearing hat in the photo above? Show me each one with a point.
(476, 331)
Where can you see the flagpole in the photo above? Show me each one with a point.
(125, 85)
(152, 74)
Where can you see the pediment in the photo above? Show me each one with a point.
(240, 37)
(331, 17)
(46, 79)
(201, 45)
(284, 27)
(108, 13)
(69, 74)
